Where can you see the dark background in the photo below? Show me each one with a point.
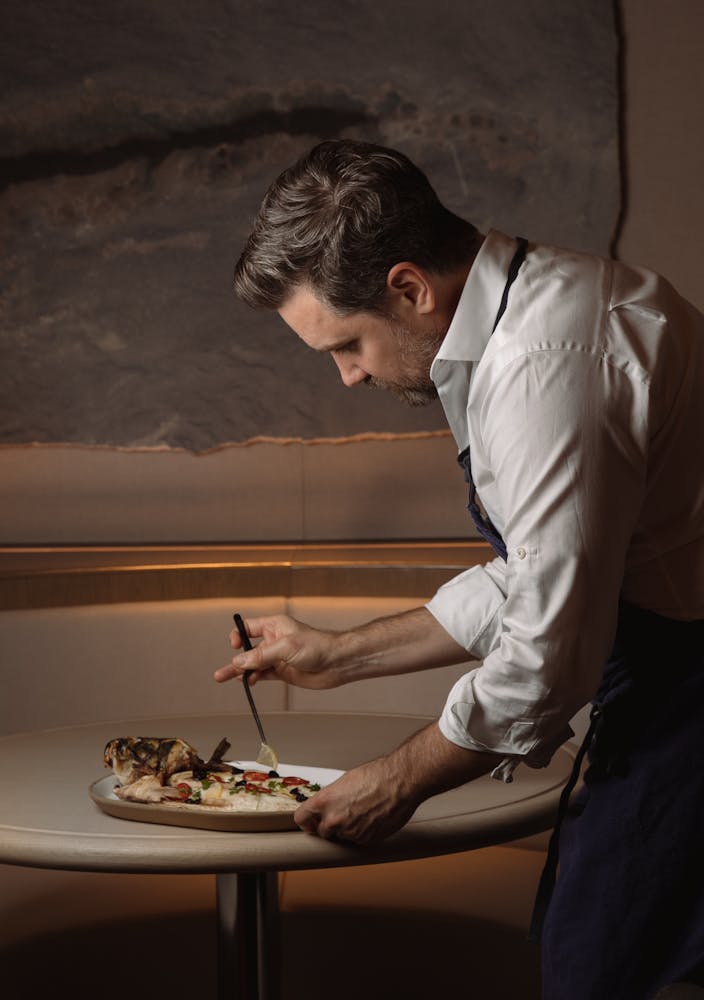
(137, 140)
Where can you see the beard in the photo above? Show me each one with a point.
(416, 353)
(411, 394)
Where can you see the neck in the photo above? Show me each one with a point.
(449, 287)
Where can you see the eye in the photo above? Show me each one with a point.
(349, 348)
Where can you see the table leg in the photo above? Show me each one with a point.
(249, 944)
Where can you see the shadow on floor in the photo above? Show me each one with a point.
(343, 955)
(389, 956)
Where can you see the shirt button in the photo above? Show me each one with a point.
(521, 552)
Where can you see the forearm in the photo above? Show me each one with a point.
(427, 763)
(290, 651)
(401, 643)
(371, 802)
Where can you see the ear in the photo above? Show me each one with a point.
(410, 286)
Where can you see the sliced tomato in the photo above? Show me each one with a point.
(256, 775)
(261, 789)
(183, 789)
(294, 781)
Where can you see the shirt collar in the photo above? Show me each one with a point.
(470, 329)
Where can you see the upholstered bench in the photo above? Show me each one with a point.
(66, 666)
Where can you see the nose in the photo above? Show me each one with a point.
(350, 373)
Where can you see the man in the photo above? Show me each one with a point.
(576, 387)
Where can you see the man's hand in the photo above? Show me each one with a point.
(288, 651)
(375, 800)
(366, 804)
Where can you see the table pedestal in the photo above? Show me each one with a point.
(249, 945)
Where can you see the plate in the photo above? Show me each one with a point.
(209, 817)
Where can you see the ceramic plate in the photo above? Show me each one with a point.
(208, 817)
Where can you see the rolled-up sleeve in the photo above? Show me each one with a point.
(560, 433)
(469, 607)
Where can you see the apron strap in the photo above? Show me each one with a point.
(483, 524)
(513, 269)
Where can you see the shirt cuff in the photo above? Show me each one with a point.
(469, 607)
(519, 741)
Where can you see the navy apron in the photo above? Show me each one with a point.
(626, 915)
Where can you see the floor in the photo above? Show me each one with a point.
(343, 955)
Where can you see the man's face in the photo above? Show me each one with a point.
(368, 347)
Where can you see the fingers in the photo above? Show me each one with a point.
(261, 657)
(262, 660)
(267, 655)
(336, 813)
(225, 673)
(235, 670)
(236, 638)
(229, 672)
(316, 816)
(361, 807)
(317, 823)
(307, 819)
(287, 650)
(333, 825)
(255, 630)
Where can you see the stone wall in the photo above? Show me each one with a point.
(136, 140)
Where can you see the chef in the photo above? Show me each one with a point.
(574, 389)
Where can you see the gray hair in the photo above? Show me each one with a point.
(338, 220)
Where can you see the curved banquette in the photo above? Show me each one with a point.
(94, 634)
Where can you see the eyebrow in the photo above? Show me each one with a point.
(339, 345)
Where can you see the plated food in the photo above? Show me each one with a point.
(168, 771)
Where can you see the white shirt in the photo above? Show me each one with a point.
(584, 413)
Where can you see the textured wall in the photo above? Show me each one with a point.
(663, 226)
(137, 139)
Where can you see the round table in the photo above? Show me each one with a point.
(63, 828)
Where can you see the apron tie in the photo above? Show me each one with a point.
(549, 874)
(627, 701)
